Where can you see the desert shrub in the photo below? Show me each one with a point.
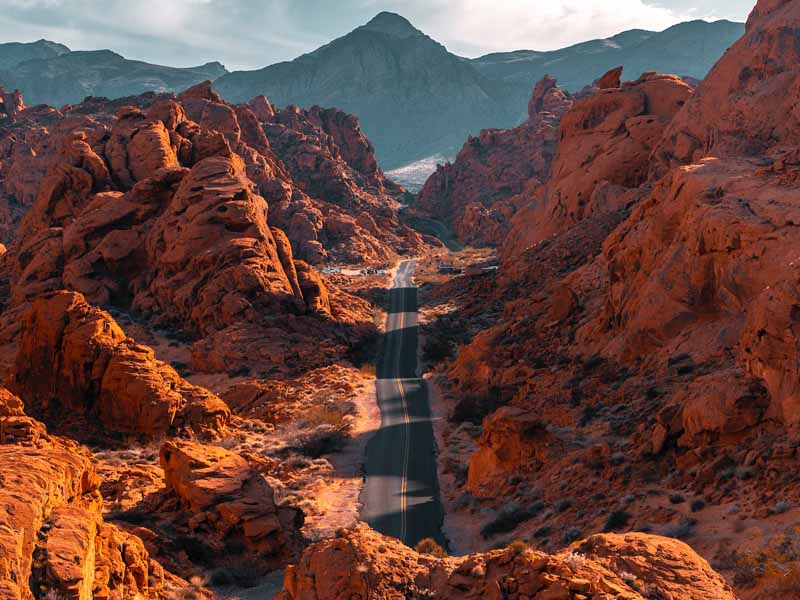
(781, 507)
(517, 547)
(698, 505)
(572, 534)
(563, 505)
(682, 530)
(617, 520)
(509, 518)
(575, 560)
(368, 370)
(676, 499)
(430, 546)
(543, 532)
(323, 440)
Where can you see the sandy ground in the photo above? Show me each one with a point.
(336, 496)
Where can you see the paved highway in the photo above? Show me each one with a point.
(401, 495)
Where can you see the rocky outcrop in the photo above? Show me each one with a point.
(363, 563)
(744, 106)
(10, 103)
(604, 140)
(497, 172)
(73, 359)
(53, 539)
(513, 441)
(232, 505)
(160, 207)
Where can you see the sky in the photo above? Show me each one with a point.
(249, 34)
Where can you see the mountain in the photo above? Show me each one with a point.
(686, 49)
(69, 77)
(412, 96)
(415, 99)
(14, 53)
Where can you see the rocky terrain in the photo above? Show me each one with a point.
(180, 380)
(186, 382)
(630, 366)
(492, 176)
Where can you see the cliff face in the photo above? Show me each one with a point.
(497, 171)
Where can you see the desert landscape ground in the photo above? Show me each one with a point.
(238, 360)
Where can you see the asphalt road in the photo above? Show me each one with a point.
(401, 494)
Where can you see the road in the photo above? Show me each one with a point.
(401, 495)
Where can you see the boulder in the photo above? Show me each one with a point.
(231, 502)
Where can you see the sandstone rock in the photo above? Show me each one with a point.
(362, 563)
(512, 442)
(611, 79)
(218, 262)
(743, 106)
(73, 357)
(497, 171)
(52, 536)
(231, 501)
(606, 137)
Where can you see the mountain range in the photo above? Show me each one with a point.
(50, 73)
(413, 97)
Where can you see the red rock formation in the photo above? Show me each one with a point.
(610, 80)
(53, 540)
(605, 139)
(744, 105)
(497, 172)
(74, 358)
(10, 103)
(233, 504)
(653, 333)
(362, 563)
(160, 207)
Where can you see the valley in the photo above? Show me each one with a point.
(240, 359)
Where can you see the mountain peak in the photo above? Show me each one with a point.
(392, 24)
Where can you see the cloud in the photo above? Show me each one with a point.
(255, 33)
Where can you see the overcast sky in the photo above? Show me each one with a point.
(246, 34)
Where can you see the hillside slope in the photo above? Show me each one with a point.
(70, 77)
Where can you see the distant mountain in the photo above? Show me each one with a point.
(415, 99)
(689, 48)
(412, 96)
(69, 77)
(13, 53)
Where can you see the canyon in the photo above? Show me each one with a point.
(236, 362)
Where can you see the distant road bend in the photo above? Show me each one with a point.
(401, 494)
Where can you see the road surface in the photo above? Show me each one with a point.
(401, 495)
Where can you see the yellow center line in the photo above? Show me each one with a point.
(406, 422)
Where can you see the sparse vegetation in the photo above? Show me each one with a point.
(698, 505)
(617, 520)
(575, 560)
(572, 534)
(431, 547)
(510, 518)
(517, 547)
(781, 507)
(682, 530)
